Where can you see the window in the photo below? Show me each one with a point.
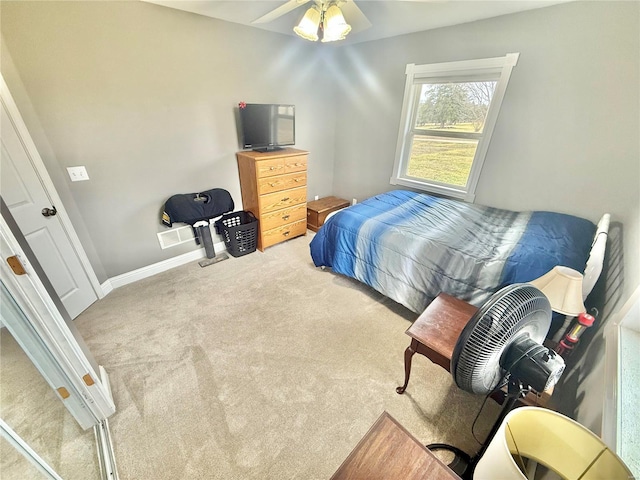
(448, 114)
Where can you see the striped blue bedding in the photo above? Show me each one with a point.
(411, 246)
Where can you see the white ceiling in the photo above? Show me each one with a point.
(388, 18)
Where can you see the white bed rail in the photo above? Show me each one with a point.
(595, 262)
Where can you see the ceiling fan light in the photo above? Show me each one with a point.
(334, 25)
(308, 26)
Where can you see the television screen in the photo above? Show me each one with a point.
(267, 126)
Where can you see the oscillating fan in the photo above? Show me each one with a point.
(502, 344)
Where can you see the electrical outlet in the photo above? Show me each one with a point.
(354, 201)
(78, 174)
(316, 197)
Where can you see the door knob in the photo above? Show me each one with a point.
(49, 212)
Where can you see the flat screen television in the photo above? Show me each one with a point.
(266, 127)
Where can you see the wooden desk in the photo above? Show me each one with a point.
(435, 333)
(389, 452)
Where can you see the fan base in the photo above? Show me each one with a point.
(211, 261)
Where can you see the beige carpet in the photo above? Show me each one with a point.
(261, 367)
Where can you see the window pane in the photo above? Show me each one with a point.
(454, 107)
(441, 160)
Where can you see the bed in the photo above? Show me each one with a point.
(411, 246)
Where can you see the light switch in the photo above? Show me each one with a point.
(78, 174)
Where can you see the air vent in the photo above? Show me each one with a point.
(175, 236)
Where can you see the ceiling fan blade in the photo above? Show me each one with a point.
(354, 16)
(281, 10)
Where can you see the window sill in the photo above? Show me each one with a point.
(442, 190)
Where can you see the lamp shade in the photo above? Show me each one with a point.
(308, 26)
(334, 25)
(563, 287)
(552, 440)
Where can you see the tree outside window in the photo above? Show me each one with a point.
(452, 108)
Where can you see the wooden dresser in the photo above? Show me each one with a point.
(274, 189)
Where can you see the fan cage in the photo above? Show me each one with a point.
(519, 309)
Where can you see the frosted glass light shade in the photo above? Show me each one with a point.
(563, 287)
(334, 25)
(308, 26)
(553, 440)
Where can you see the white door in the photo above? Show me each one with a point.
(26, 197)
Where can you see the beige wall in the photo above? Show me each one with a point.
(145, 97)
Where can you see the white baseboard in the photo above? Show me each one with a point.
(163, 266)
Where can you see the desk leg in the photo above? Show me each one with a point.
(408, 355)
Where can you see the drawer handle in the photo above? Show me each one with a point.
(286, 233)
(273, 184)
(297, 179)
(286, 217)
(284, 199)
(272, 168)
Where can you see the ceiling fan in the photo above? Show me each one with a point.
(324, 16)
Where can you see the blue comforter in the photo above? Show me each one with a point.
(411, 246)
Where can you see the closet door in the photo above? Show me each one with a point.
(57, 369)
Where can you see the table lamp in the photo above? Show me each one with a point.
(550, 439)
(563, 287)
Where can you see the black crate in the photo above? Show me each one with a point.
(240, 232)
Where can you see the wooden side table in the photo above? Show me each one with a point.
(389, 452)
(318, 210)
(435, 333)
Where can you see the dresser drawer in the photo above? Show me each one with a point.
(282, 217)
(268, 168)
(278, 200)
(295, 164)
(280, 234)
(281, 182)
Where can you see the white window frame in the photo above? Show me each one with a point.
(469, 70)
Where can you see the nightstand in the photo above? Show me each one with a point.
(318, 210)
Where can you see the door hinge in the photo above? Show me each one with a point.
(16, 266)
